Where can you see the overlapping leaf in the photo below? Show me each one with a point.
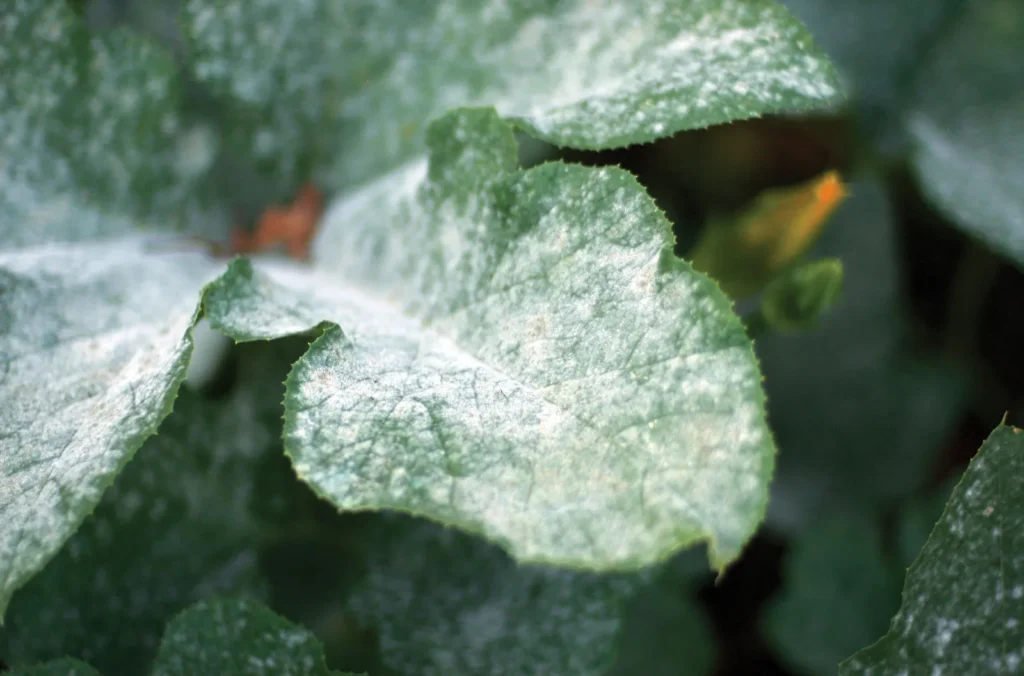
(356, 83)
(570, 390)
(95, 341)
(963, 600)
(876, 44)
(183, 521)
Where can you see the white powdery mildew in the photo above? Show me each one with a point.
(97, 341)
(650, 72)
(570, 394)
(963, 601)
(89, 131)
(190, 490)
(581, 73)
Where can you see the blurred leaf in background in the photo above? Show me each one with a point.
(877, 46)
(967, 124)
(839, 591)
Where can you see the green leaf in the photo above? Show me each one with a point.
(61, 667)
(91, 135)
(797, 299)
(95, 341)
(520, 354)
(887, 407)
(840, 591)
(446, 603)
(664, 632)
(967, 122)
(183, 521)
(237, 637)
(367, 76)
(963, 600)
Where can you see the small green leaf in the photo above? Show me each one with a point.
(237, 637)
(967, 122)
(797, 299)
(446, 603)
(350, 87)
(61, 667)
(839, 592)
(963, 600)
(184, 520)
(517, 353)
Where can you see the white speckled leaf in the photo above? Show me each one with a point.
(518, 353)
(369, 75)
(91, 138)
(93, 336)
(967, 123)
(183, 520)
(963, 600)
(442, 602)
(236, 637)
(94, 341)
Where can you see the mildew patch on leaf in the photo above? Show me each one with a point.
(91, 137)
(519, 354)
(368, 76)
(963, 600)
(178, 523)
(94, 341)
(237, 637)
